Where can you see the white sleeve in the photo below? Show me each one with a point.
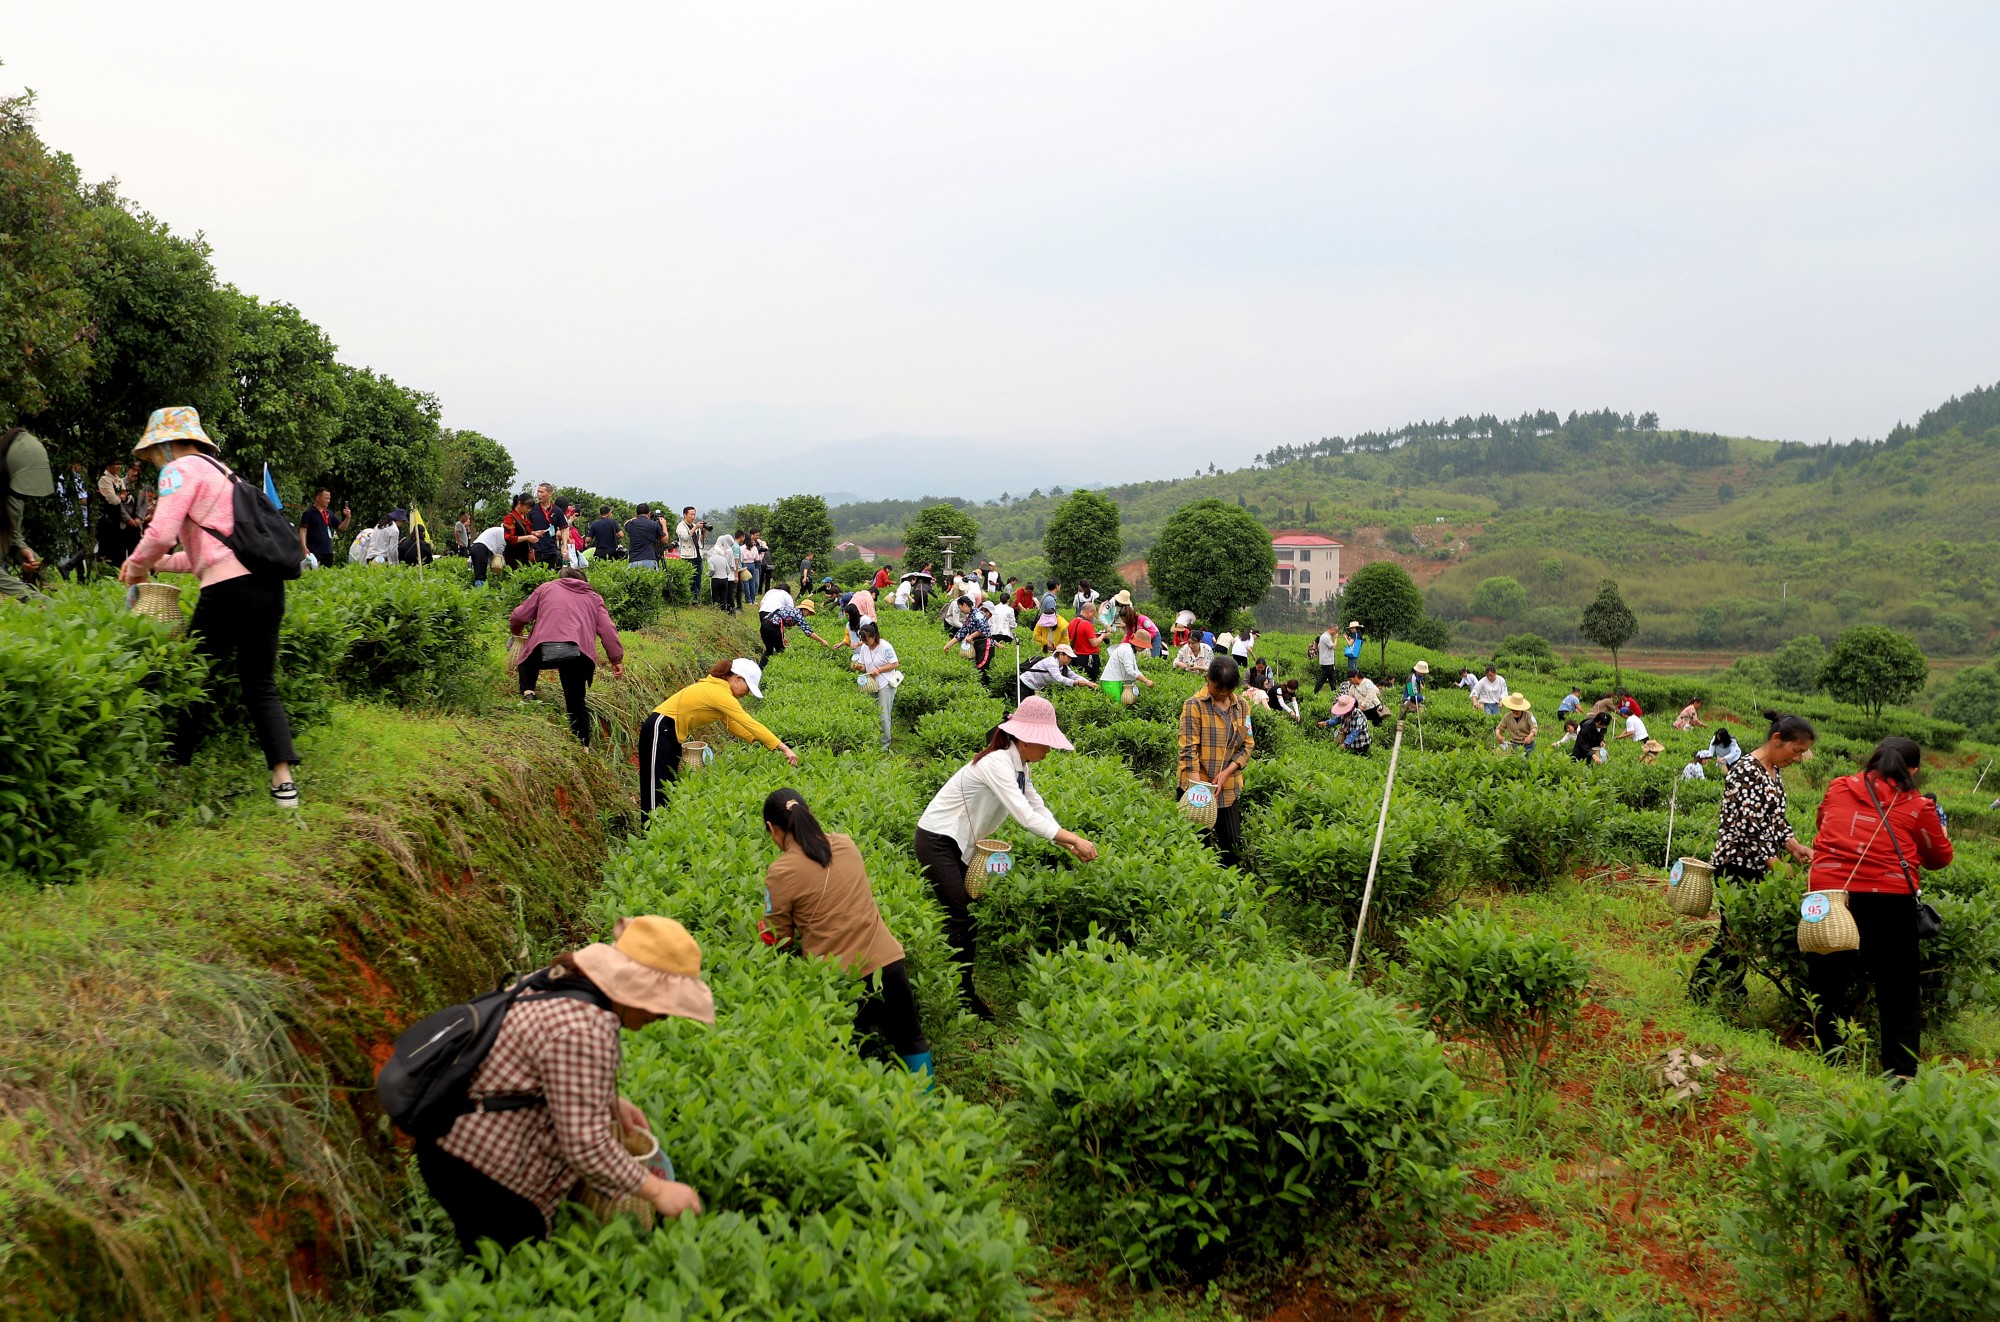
(1025, 807)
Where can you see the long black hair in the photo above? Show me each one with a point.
(786, 809)
(997, 741)
(1897, 761)
(1791, 729)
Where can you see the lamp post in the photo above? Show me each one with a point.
(947, 541)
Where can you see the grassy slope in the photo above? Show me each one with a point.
(185, 1116)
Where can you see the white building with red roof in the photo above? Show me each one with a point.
(1308, 567)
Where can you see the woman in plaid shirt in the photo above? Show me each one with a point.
(501, 1173)
(1215, 747)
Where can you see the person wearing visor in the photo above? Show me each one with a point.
(25, 462)
(716, 696)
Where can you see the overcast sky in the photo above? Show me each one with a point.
(1132, 237)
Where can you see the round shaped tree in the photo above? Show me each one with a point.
(1609, 622)
(1873, 667)
(1213, 559)
(921, 533)
(1386, 600)
(1499, 599)
(1084, 540)
(799, 525)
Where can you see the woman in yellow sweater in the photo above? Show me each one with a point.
(716, 697)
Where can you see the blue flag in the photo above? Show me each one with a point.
(271, 489)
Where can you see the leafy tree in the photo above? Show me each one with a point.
(751, 518)
(799, 526)
(1386, 600)
(1795, 666)
(477, 473)
(386, 454)
(1649, 421)
(1499, 599)
(1084, 539)
(284, 406)
(1552, 569)
(1609, 622)
(921, 533)
(45, 326)
(1873, 667)
(1528, 645)
(1430, 633)
(1972, 699)
(1211, 558)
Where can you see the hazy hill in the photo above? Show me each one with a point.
(1719, 542)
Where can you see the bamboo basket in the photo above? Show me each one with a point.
(695, 755)
(645, 1147)
(1200, 803)
(1691, 887)
(990, 858)
(1827, 929)
(161, 602)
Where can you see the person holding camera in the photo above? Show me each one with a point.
(1874, 837)
(689, 535)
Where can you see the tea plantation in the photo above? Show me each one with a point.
(1186, 1108)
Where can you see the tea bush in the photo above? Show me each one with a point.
(1519, 993)
(1891, 1194)
(86, 691)
(1149, 748)
(1182, 1114)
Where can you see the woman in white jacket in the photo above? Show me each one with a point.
(723, 562)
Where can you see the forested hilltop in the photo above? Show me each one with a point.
(1718, 541)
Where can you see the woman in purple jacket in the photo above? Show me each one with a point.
(568, 619)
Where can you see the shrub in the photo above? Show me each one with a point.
(86, 691)
(958, 732)
(633, 597)
(1544, 829)
(850, 574)
(1518, 993)
(1150, 748)
(1182, 1115)
(402, 635)
(1892, 1194)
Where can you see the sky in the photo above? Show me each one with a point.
(754, 248)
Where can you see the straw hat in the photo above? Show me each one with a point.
(1035, 723)
(179, 423)
(654, 965)
(1124, 597)
(1354, 624)
(807, 607)
(1515, 702)
(1422, 667)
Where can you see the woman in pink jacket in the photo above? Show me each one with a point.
(237, 615)
(568, 619)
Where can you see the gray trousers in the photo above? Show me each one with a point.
(885, 697)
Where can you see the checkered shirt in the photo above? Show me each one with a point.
(567, 1051)
(1212, 736)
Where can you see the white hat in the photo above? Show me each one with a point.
(1705, 752)
(1354, 624)
(1064, 649)
(752, 673)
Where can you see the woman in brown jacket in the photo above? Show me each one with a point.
(817, 901)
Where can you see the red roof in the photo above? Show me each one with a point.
(1301, 539)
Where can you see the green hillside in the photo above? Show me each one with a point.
(1719, 542)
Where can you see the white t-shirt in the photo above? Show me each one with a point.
(776, 599)
(1120, 664)
(1329, 649)
(902, 597)
(1000, 617)
(882, 654)
(494, 539)
(1486, 690)
(1240, 649)
(1635, 729)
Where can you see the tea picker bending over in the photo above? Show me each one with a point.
(549, 1112)
(715, 697)
(988, 790)
(817, 902)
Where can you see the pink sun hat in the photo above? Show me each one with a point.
(1035, 723)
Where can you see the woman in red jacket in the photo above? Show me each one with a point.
(1875, 835)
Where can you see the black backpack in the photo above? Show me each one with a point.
(423, 1084)
(263, 540)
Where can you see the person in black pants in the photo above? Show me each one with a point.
(564, 620)
(236, 618)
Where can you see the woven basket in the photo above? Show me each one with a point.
(695, 755)
(1827, 929)
(990, 858)
(1200, 803)
(1691, 887)
(161, 602)
(646, 1148)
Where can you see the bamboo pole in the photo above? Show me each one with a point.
(1375, 857)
